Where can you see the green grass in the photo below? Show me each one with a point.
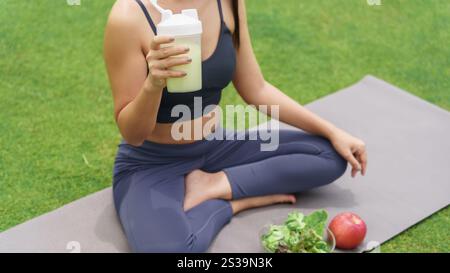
(57, 131)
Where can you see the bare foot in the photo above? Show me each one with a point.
(260, 201)
(201, 186)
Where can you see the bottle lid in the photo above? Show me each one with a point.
(184, 23)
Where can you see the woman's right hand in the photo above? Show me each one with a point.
(159, 59)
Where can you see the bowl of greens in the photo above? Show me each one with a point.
(298, 233)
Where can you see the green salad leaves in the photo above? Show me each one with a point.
(298, 234)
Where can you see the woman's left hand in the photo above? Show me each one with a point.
(352, 149)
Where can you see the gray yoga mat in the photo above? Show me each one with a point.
(407, 180)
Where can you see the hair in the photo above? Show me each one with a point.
(236, 34)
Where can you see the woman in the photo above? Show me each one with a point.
(175, 195)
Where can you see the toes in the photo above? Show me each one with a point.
(286, 198)
(292, 199)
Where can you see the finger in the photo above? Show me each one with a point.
(362, 157)
(157, 74)
(164, 74)
(169, 51)
(159, 40)
(358, 157)
(173, 74)
(169, 62)
(354, 171)
(174, 61)
(353, 162)
(157, 65)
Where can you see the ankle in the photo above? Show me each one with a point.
(223, 184)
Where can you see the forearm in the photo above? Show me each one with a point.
(138, 119)
(291, 112)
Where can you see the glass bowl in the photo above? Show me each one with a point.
(328, 235)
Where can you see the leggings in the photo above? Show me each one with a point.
(149, 188)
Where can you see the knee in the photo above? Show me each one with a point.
(338, 165)
(341, 165)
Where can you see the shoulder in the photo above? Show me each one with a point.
(124, 16)
(125, 23)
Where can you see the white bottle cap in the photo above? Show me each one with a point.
(184, 23)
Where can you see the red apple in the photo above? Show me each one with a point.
(348, 229)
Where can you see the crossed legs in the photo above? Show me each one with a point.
(182, 207)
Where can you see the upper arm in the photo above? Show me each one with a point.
(125, 62)
(248, 77)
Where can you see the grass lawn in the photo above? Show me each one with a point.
(57, 131)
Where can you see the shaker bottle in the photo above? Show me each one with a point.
(186, 28)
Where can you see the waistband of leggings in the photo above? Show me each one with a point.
(151, 145)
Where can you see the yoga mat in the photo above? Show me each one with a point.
(407, 180)
(408, 176)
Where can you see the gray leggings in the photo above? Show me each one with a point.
(148, 184)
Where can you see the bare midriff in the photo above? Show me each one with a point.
(199, 128)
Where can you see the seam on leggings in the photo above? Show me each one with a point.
(209, 220)
(233, 183)
(133, 238)
(319, 151)
(251, 160)
(130, 231)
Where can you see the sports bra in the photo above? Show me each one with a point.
(217, 73)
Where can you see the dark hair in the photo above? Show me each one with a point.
(236, 34)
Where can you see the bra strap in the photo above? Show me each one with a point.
(220, 10)
(152, 24)
(147, 15)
